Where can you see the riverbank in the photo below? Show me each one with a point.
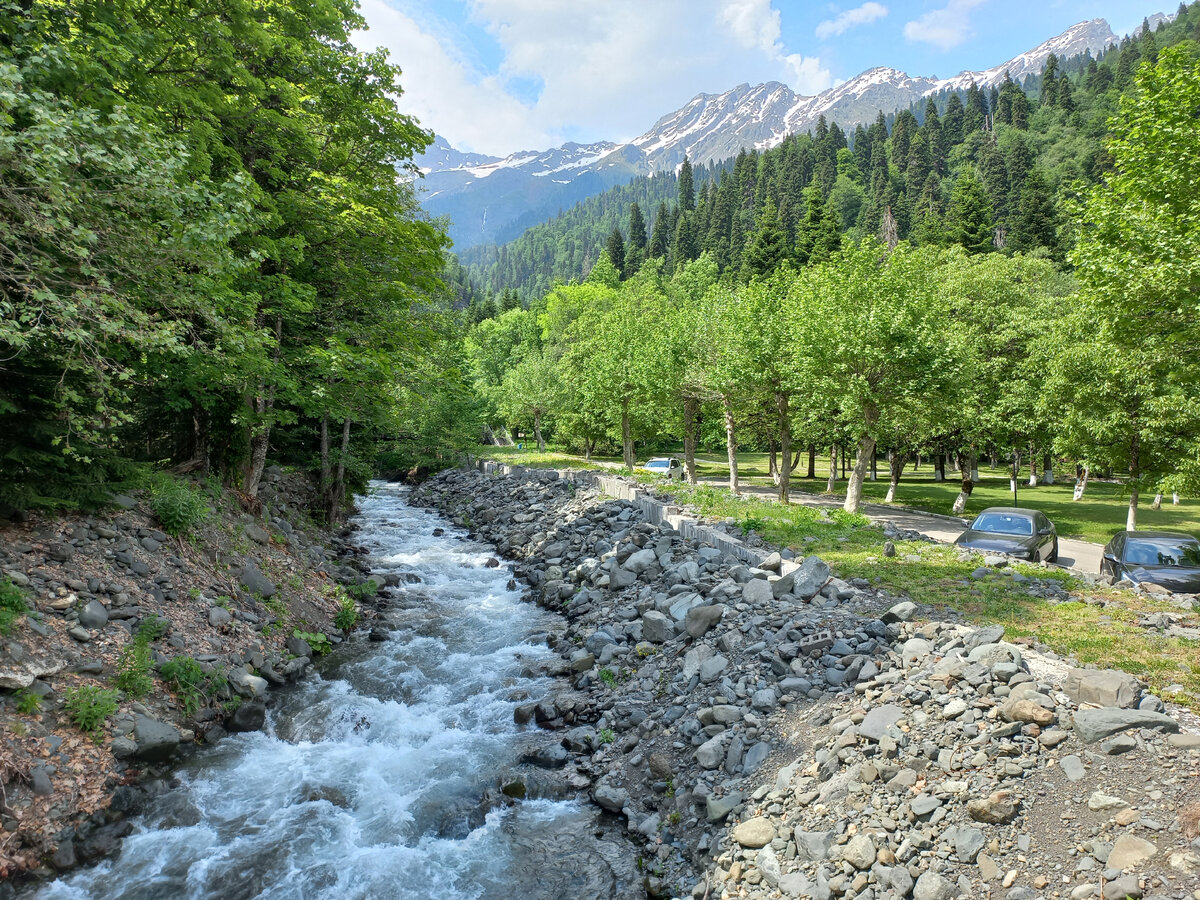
(136, 646)
(766, 728)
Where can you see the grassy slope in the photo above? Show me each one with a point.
(1097, 625)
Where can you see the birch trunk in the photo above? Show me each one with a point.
(731, 445)
(1080, 485)
(1174, 498)
(866, 449)
(896, 465)
(1135, 471)
(785, 446)
(968, 485)
(691, 409)
(626, 436)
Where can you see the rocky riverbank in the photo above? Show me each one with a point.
(111, 600)
(770, 730)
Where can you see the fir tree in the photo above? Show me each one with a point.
(687, 189)
(975, 117)
(1036, 224)
(660, 238)
(767, 248)
(615, 246)
(969, 218)
(952, 122)
(817, 237)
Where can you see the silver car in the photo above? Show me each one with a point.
(667, 466)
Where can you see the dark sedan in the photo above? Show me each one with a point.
(1166, 558)
(1020, 533)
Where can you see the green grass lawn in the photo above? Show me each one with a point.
(1097, 517)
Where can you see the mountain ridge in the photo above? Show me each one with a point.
(492, 199)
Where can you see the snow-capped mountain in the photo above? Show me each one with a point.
(488, 199)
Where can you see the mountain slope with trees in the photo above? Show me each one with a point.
(989, 168)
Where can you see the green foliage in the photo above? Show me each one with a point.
(192, 685)
(178, 504)
(133, 669)
(89, 707)
(605, 736)
(29, 703)
(152, 628)
(347, 614)
(608, 677)
(12, 605)
(320, 643)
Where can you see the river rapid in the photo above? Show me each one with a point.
(378, 777)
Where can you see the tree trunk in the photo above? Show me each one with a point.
(968, 485)
(1047, 468)
(874, 467)
(785, 446)
(537, 431)
(626, 436)
(1157, 504)
(995, 457)
(843, 449)
(588, 444)
(731, 445)
(1080, 485)
(939, 467)
(201, 440)
(691, 409)
(339, 481)
(866, 449)
(812, 461)
(833, 458)
(773, 465)
(896, 465)
(1135, 472)
(1175, 498)
(260, 432)
(326, 490)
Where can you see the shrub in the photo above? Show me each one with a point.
(347, 614)
(133, 669)
(12, 605)
(29, 703)
(319, 642)
(607, 676)
(605, 736)
(89, 707)
(152, 628)
(178, 505)
(192, 685)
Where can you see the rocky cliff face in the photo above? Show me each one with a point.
(489, 199)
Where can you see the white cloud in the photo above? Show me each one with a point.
(851, 18)
(946, 27)
(606, 71)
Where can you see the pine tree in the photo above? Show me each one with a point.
(818, 235)
(1020, 110)
(687, 190)
(1065, 101)
(931, 130)
(975, 117)
(969, 219)
(616, 251)
(660, 239)
(927, 225)
(1050, 81)
(1036, 224)
(1004, 107)
(903, 130)
(767, 248)
(952, 122)
(637, 228)
(683, 248)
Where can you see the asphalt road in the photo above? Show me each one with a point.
(1082, 555)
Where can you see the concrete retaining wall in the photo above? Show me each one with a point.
(655, 511)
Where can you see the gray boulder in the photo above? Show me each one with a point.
(1106, 687)
(931, 886)
(251, 715)
(155, 740)
(1096, 724)
(657, 628)
(879, 720)
(810, 577)
(699, 620)
(610, 798)
(254, 581)
(93, 615)
(219, 616)
(757, 591)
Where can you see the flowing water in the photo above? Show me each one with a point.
(368, 780)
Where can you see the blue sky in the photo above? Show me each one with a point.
(494, 76)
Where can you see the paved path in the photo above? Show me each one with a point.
(1082, 555)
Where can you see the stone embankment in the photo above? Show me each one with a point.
(770, 730)
(230, 597)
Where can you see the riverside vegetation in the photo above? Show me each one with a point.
(769, 729)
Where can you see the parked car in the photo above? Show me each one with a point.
(1019, 533)
(666, 466)
(1167, 558)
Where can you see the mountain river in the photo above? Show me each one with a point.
(370, 777)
